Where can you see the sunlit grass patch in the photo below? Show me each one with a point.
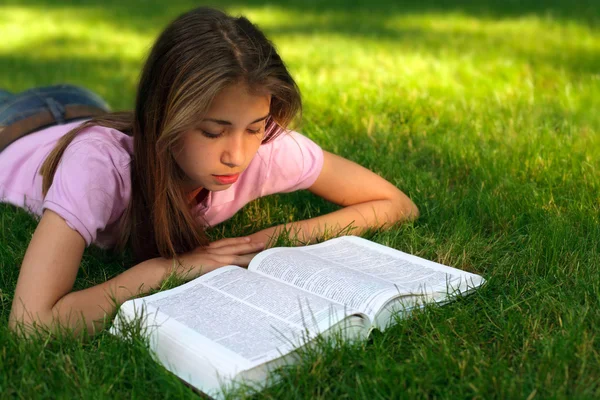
(69, 32)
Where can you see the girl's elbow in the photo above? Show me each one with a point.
(406, 210)
(25, 323)
(27, 318)
(414, 212)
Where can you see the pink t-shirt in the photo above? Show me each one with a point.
(92, 184)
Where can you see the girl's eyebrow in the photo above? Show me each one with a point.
(223, 122)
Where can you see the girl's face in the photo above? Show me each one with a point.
(215, 153)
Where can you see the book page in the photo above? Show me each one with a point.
(310, 272)
(247, 314)
(412, 275)
(360, 273)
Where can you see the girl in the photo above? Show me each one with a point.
(208, 135)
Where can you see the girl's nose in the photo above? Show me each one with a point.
(234, 155)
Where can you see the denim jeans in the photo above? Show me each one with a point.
(26, 112)
(14, 107)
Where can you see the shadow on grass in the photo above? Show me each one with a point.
(112, 78)
(145, 13)
(360, 20)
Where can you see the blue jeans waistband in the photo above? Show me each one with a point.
(26, 112)
(14, 107)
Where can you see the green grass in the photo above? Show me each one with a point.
(486, 113)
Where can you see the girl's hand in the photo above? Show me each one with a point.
(230, 251)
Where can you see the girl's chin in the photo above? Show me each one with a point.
(212, 185)
(216, 187)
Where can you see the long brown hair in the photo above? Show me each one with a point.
(196, 56)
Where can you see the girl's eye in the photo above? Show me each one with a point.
(210, 135)
(254, 131)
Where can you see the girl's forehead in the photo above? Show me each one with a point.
(238, 99)
(241, 90)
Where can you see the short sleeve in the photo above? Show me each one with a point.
(88, 190)
(295, 163)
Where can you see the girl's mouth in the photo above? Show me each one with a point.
(227, 179)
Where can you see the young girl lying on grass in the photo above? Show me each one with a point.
(208, 135)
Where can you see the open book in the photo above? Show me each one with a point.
(235, 324)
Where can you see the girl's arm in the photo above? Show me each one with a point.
(43, 293)
(369, 201)
(43, 296)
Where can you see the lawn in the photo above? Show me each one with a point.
(486, 113)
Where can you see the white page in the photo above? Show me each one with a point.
(247, 314)
(411, 274)
(192, 357)
(283, 301)
(360, 273)
(296, 266)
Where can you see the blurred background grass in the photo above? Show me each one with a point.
(484, 112)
